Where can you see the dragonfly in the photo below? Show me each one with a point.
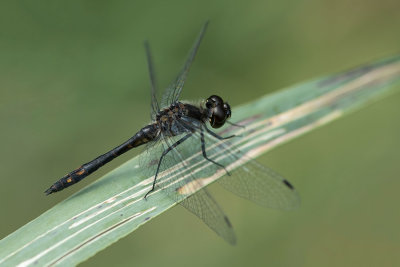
(180, 143)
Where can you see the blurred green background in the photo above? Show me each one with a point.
(74, 83)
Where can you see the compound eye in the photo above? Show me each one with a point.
(218, 110)
(218, 117)
(216, 100)
(227, 109)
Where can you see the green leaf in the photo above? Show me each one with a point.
(113, 206)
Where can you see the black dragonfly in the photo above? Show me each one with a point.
(174, 161)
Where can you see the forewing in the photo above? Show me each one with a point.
(262, 185)
(250, 179)
(173, 92)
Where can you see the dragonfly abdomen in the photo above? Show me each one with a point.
(145, 135)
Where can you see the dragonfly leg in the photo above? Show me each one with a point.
(235, 124)
(180, 141)
(218, 136)
(203, 149)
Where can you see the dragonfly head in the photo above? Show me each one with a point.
(218, 111)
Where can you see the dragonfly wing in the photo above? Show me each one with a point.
(203, 205)
(155, 107)
(249, 178)
(178, 178)
(173, 92)
(261, 185)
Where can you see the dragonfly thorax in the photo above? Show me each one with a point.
(167, 119)
(176, 110)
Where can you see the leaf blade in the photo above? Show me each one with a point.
(113, 206)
